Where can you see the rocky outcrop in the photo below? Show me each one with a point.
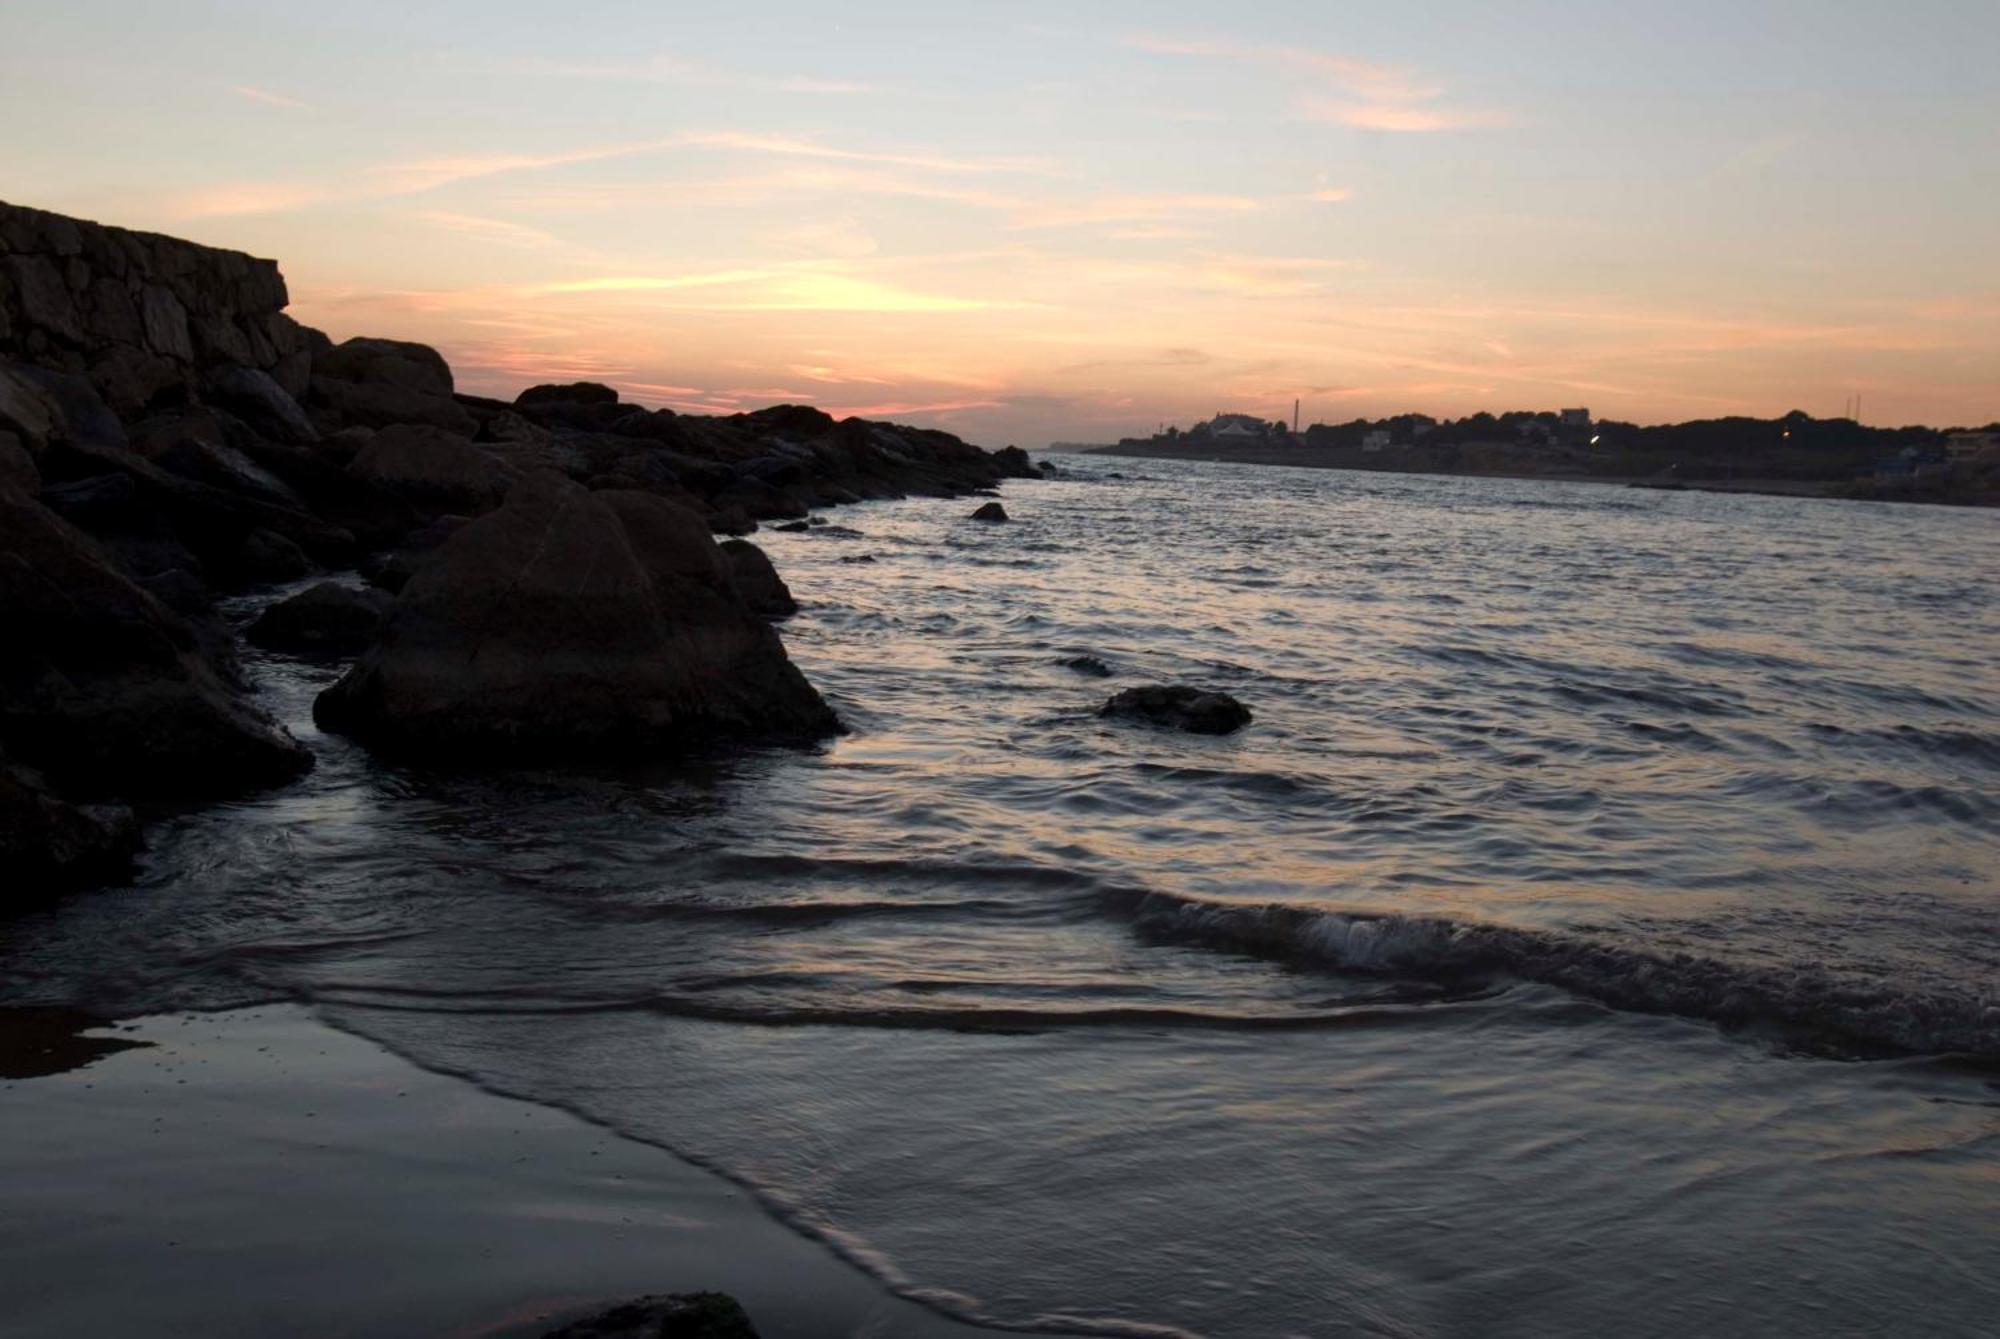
(674, 1316)
(759, 583)
(576, 392)
(326, 619)
(573, 624)
(992, 511)
(143, 316)
(103, 689)
(1180, 707)
(435, 471)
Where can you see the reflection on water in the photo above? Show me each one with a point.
(1397, 1011)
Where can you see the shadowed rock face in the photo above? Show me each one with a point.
(762, 588)
(102, 687)
(326, 619)
(577, 625)
(434, 470)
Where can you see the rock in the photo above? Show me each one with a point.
(1014, 463)
(203, 457)
(81, 414)
(675, 1316)
(257, 399)
(103, 689)
(382, 405)
(761, 586)
(1049, 469)
(576, 392)
(326, 619)
(434, 470)
(267, 557)
(17, 467)
(992, 511)
(387, 362)
(858, 558)
(1089, 665)
(27, 410)
(792, 527)
(420, 549)
(48, 845)
(731, 520)
(177, 588)
(1195, 710)
(573, 625)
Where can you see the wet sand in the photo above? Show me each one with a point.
(259, 1173)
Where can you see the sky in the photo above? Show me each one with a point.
(1032, 222)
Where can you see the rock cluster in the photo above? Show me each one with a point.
(674, 1316)
(168, 434)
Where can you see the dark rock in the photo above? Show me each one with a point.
(82, 415)
(419, 550)
(261, 402)
(792, 527)
(731, 520)
(434, 470)
(758, 582)
(204, 458)
(266, 557)
(1048, 468)
(326, 619)
(858, 558)
(837, 532)
(576, 392)
(48, 845)
(178, 589)
(28, 410)
(17, 467)
(992, 511)
(1195, 710)
(103, 689)
(578, 625)
(387, 362)
(385, 404)
(1014, 463)
(1089, 665)
(676, 1316)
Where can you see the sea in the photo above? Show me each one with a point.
(1596, 930)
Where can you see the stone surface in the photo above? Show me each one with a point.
(573, 624)
(325, 619)
(103, 689)
(258, 399)
(674, 1316)
(434, 470)
(387, 362)
(992, 511)
(48, 844)
(761, 586)
(1196, 710)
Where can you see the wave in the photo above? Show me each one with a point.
(1816, 1011)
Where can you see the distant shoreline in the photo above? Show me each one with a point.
(1338, 458)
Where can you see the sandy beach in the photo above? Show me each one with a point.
(260, 1173)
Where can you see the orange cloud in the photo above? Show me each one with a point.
(1400, 119)
(266, 96)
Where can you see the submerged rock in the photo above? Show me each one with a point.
(992, 511)
(326, 619)
(579, 625)
(674, 1316)
(761, 586)
(1091, 665)
(1196, 710)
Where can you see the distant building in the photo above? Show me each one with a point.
(1238, 427)
(1375, 441)
(1575, 420)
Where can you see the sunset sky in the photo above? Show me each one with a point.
(1028, 222)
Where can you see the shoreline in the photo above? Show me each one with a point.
(262, 1171)
(1310, 458)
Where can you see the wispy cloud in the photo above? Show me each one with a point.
(671, 69)
(1370, 95)
(267, 97)
(498, 231)
(1132, 208)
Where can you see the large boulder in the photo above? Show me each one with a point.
(991, 511)
(1178, 706)
(387, 362)
(104, 690)
(576, 392)
(258, 399)
(573, 624)
(325, 619)
(384, 404)
(759, 583)
(434, 470)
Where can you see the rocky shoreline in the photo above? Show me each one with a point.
(553, 585)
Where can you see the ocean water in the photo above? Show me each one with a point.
(1598, 929)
